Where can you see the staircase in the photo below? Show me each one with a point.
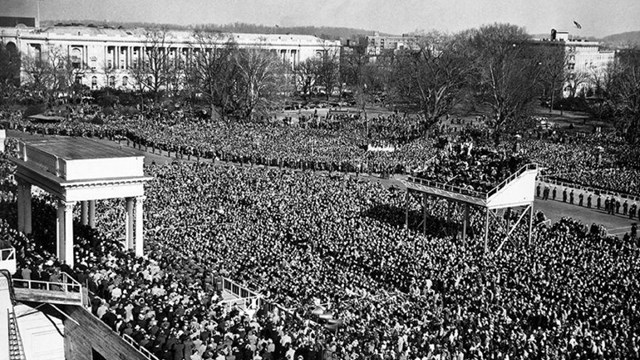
(16, 350)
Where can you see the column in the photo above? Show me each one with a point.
(84, 212)
(21, 203)
(27, 207)
(68, 234)
(64, 232)
(129, 223)
(92, 213)
(60, 230)
(139, 226)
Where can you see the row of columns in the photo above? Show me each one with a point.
(134, 235)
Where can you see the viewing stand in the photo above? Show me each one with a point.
(518, 190)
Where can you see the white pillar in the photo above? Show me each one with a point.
(129, 223)
(68, 234)
(139, 226)
(84, 212)
(60, 229)
(21, 203)
(27, 207)
(92, 213)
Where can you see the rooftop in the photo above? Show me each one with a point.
(70, 148)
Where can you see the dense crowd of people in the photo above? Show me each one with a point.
(306, 239)
(303, 239)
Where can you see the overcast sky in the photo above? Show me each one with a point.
(597, 17)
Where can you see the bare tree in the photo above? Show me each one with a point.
(52, 75)
(211, 70)
(555, 67)
(307, 74)
(157, 66)
(623, 89)
(328, 71)
(506, 70)
(433, 77)
(259, 82)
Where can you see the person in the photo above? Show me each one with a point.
(538, 188)
(589, 201)
(564, 195)
(571, 197)
(625, 207)
(634, 230)
(554, 193)
(546, 192)
(580, 199)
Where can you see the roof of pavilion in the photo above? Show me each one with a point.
(70, 148)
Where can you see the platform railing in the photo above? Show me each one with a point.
(141, 349)
(67, 285)
(469, 192)
(531, 166)
(446, 187)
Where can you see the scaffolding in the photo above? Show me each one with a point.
(517, 190)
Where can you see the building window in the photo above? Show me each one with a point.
(94, 82)
(112, 81)
(76, 58)
(125, 81)
(109, 64)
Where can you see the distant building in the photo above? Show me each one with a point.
(585, 61)
(106, 56)
(379, 44)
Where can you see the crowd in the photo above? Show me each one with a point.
(475, 169)
(302, 239)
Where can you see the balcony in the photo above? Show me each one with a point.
(66, 292)
(8, 260)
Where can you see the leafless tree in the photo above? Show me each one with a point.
(210, 71)
(259, 82)
(432, 77)
(507, 70)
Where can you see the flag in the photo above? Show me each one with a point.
(577, 24)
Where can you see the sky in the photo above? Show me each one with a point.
(597, 17)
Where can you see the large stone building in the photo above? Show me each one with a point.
(107, 56)
(585, 61)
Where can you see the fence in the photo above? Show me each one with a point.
(67, 284)
(146, 353)
(589, 189)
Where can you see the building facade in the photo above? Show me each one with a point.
(107, 56)
(585, 61)
(377, 44)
